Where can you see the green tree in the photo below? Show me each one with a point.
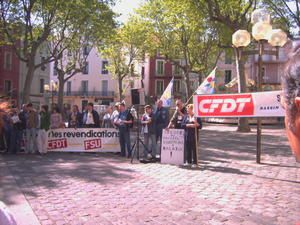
(34, 22)
(80, 36)
(124, 49)
(229, 16)
(286, 14)
(178, 32)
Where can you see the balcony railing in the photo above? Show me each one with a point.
(87, 93)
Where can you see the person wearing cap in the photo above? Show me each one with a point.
(291, 99)
(115, 114)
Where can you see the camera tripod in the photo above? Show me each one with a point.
(135, 147)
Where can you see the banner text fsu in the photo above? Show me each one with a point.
(92, 144)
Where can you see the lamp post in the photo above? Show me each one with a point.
(262, 33)
(53, 87)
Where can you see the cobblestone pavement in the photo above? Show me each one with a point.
(228, 188)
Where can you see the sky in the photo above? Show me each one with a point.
(126, 7)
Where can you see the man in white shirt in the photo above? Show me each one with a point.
(91, 117)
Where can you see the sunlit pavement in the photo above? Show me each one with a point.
(228, 188)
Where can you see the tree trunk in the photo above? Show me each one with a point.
(60, 96)
(120, 88)
(243, 124)
(187, 81)
(28, 81)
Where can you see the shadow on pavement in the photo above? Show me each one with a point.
(54, 170)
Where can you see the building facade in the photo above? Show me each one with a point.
(94, 84)
(158, 73)
(9, 74)
(273, 69)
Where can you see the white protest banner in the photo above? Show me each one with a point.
(172, 148)
(84, 140)
(258, 104)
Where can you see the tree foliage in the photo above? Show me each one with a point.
(286, 15)
(124, 49)
(178, 32)
(38, 22)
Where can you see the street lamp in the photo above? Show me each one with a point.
(53, 88)
(262, 32)
(46, 90)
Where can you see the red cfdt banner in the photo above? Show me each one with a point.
(258, 104)
(240, 105)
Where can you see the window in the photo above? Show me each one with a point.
(228, 58)
(42, 83)
(176, 69)
(104, 84)
(69, 88)
(8, 61)
(104, 67)
(85, 69)
(176, 86)
(159, 87)
(43, 67)
(7, 87)
(227, 76)
(84, 87)
(159, 67)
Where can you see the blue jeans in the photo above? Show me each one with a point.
(125, 141)
(31, 140)
(15, 140)
(150, 142)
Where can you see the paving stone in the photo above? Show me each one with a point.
(230, 188)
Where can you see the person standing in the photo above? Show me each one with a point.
(23, 118)
(44, 127)
(31, 129)
(107, 122)
(178, 115)
(91, 117)
(124, 122)
(16, 132)
(191, 125)
(161, 118)
(56, 120)
(115, 114)
(75, 118)
(148, 129)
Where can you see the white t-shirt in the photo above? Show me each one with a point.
(114, 116)
(90, 118)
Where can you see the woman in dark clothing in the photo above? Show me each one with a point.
(191, 125)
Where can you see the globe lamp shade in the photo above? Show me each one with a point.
(241, 38)
(261, 31)
(278, 38)
(260, 15)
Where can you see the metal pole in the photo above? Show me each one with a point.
(259, 88)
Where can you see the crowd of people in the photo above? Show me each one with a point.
(31, 125)
(28, 127)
